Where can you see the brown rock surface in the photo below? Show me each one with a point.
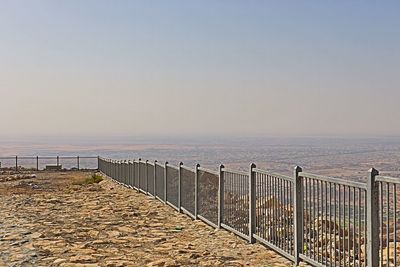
(53, 221)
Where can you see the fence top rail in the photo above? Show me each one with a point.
(337, 181)
(235, 171)
(387, 179)
(173, 167)
(187, 168)
(208, 170)
(159, 164)
(274, 174)
(150, 163)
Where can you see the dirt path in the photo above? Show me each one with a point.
(52, 221)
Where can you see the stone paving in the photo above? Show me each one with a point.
(53, 220)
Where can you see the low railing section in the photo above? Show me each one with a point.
(39, 163)
(320, 220)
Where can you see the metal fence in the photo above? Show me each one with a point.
(188, 190)
(172, 186)
(39, 163)
(235, 215)
(160, 182)
(207, 196)
(320, 220)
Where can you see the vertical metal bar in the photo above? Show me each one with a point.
(344, 226)
(319, 190)
(58, 161)
(381, 220)
(16, 163)
(340, 231)
(306, 208)
(298, 214)
(359, 227)
(348, 226)
(180, 186)
(37, 163)
(280, 212)
(285, 224)
(196, 192)
(395, 224)
(330, 224)
(252, 203)
(221, 195)
(336, 228)
(146, 167)
(154, 179)
(77, 161)
(263, 214)
(165, 181)
(388, 224)
(372, 219)
(138, 174)
(354, 227)
(313, 218)
(365, 227)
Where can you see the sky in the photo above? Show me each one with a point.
(199, 68)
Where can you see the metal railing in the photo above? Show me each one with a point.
(39, 163)
(235, 215)
(207, 195)
(172, 186)
(320, 220)
(187, 190)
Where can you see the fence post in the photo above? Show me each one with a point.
(298, 218)
(196, 190)
(252, 203)
(180, 186)
(98, 163)
(77, 159)
(16, 163)
(58, 161)
(37, 163)
(220, 196)
(154, 179)
(372, 219)
(165, 181)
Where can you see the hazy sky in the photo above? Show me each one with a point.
(218, 67)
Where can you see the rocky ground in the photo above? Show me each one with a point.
(54, 220)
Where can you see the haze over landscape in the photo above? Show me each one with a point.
(173, 68)
(279, 83)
